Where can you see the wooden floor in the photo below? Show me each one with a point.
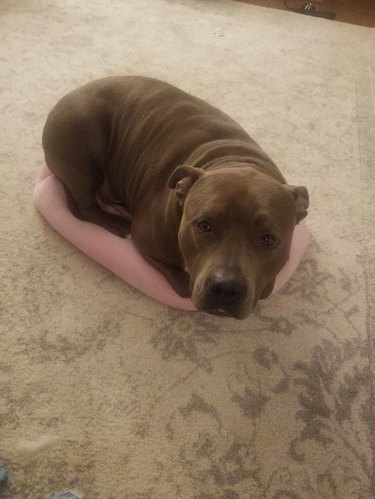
(361, 12)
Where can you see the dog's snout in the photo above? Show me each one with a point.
(226, 287)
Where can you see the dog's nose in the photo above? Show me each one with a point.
(227, 286)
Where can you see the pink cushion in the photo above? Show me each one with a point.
(120, 255)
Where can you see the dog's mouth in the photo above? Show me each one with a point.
(220, 312)
(235, 309)
(223, 298)
(224, 313)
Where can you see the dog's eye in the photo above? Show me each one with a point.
(204, 226)
(268, 239)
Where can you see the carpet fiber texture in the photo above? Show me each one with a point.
(106, 391)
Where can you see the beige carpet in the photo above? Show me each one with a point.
(104, 390)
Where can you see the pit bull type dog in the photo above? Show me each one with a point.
(204, 204)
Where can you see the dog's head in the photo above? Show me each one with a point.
(235, 234)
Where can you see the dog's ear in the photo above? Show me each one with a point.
(301, 200)
(182, 179)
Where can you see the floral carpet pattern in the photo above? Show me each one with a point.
(105, 391)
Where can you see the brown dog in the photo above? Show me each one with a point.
(206, 205)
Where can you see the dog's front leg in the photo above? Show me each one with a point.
(177, 278)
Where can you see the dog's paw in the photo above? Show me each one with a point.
(119, 228)
(180, 282)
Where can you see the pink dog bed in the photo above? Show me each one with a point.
(120, 255)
